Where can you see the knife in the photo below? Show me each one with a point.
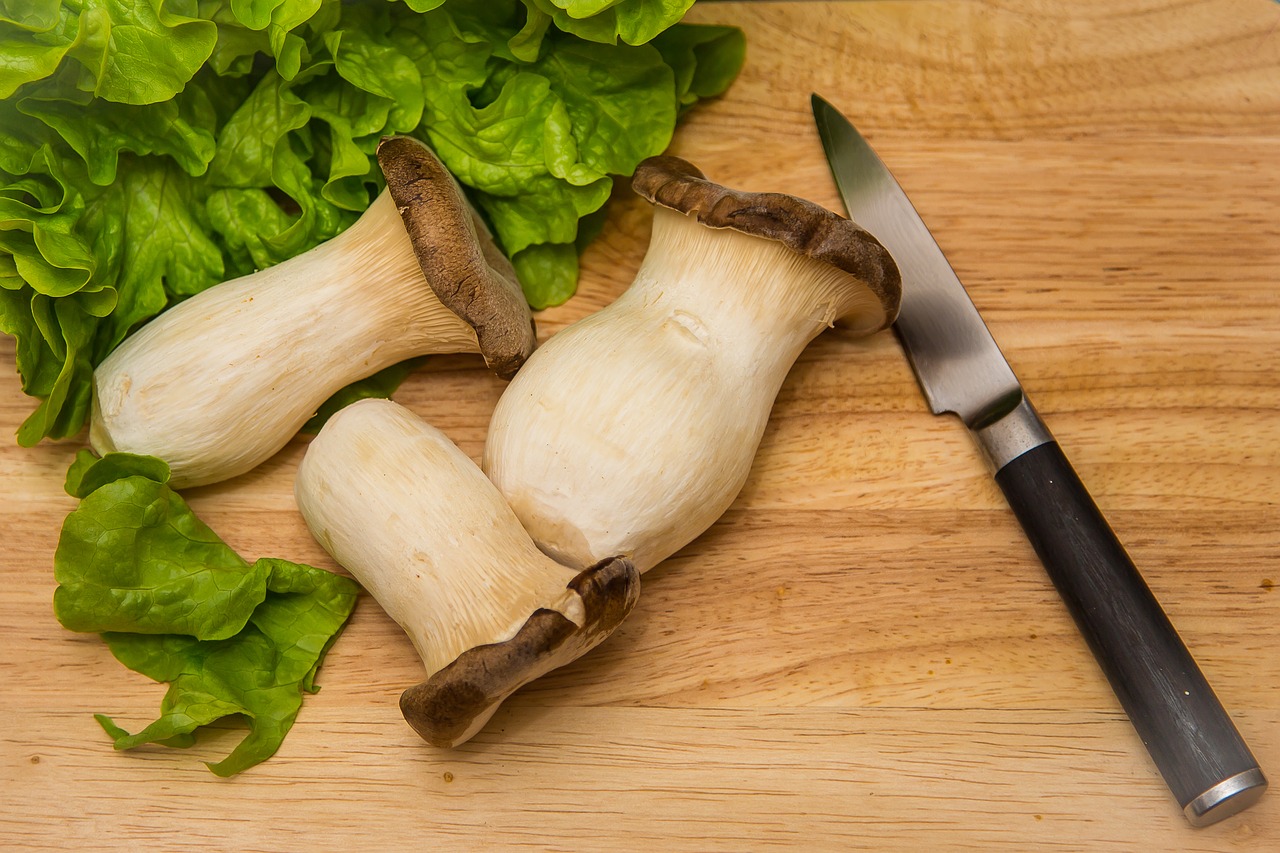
(1202, 757)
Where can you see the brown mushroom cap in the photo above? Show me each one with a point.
(800, 225)
(464, 267)
(455, 702)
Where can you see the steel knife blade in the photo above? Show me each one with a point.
(1189, 735)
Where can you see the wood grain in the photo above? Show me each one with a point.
(863, 654)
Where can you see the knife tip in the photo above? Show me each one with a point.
(824, 113)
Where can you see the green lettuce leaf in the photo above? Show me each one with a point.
(133, 557)
(607, 21)
(137, 52)
(88, 472)
(174, 603)
(260, 674)
(181, 128)
(126, 52)
(554, 266)
(618, 102)
(34, 38)
(705, 58)
(151, 149)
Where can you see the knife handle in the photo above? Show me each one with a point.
(1204, 760)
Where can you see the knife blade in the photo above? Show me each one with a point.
(1191, 739)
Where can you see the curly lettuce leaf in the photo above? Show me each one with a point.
(259, 674)
(608, 21)
(128, 185)
(34, 39)
(176, 604)
(88, 472)
(133, 557)
(99, 132)
(540, 154)
(90, 262)
(126, 52)
(705, 58)
(617, 102)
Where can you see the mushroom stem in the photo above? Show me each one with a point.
(750, 302)
(218, 383)
(205, 373)
(631, 431)
(415, 521)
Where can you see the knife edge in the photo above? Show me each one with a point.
(956, 360)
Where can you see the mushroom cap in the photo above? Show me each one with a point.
(798, 224)
(455, 702)
(469, 274)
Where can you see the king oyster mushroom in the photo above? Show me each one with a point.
(416, 522)
(220, 382)
(632, 430)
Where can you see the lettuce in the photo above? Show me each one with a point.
(174, 603)
(150, 149)
(607, 21)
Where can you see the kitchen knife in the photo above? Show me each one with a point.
(1194, 744)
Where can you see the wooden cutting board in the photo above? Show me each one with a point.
(863, 653)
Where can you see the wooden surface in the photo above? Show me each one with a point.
(863, 653)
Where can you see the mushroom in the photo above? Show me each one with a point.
(632, 430)
(416, 522)
(217, 384)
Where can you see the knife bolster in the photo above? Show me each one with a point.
(1012, 435)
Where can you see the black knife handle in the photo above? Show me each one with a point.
(1194, 744)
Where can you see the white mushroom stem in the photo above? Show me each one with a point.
(220, 382)
(416, 522)
(632, 431)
